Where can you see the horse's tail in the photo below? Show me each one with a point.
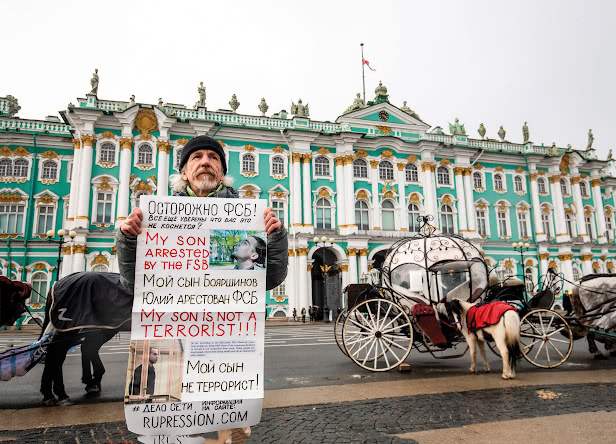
(512, 336)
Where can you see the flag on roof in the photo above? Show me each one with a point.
(367, 63)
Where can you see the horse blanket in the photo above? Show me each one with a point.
(13, 296)
(89, 300)
(480, 316)
(597, 295)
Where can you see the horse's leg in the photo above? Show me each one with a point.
(52, 378)
(94, 344)
(592, 347)
(472, 346)
(498, 333)
(482, 350)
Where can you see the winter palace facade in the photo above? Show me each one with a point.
(346, 190)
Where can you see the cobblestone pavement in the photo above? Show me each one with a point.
(374, 421)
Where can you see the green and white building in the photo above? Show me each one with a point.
(357, 184)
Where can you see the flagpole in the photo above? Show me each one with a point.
(363, 77)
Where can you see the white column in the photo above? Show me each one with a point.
(470, 202)
(85, 175)
(309, 280)
(567, 268)
(403, 211)
(376, 205)
(126, 145)
(74, 196)
(292, 294)
(534, 197)
(303, 276)
(429, 190)
(296, 191)
(579, 209)
(67, 261)
(352, 255)
(543, 257)
(340, 194)
(461, 196)
(307, 191)
(79, 258)
(598, 204)
(162, 188)
(349, 190)
(559, 209)
(345, 283)
(363, 263)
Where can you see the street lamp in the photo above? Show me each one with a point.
(322, 242)
(50, 238)
(521, 247)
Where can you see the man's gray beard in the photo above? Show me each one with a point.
(205, 186)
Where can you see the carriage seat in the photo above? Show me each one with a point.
(462, 292)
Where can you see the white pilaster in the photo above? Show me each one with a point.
(79, 258)
(376, 205)
(470, 203)
(296, 191)
(67, 262)
(363, 264)
(543, 257)
(461, 196)
(429, 189)
(349, 190)
(85, 175)
(579, 210)
(340, 194)
(303, 276)
(598, 204)
(126, 145)
(534, 197)
(74, 196)
(306, 192)
(403, 211)
(559, 209)
(291, 287)
(566, 266)
(352, 255)
(162, 188)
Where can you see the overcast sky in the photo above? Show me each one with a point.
(551, 63)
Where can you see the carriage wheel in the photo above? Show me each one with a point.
(377, 335)
(338, 330)
(546, 338)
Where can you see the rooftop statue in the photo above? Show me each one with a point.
(263, 106)
(94, 83)
(437, 130)
(358, 103)
(591, 139)
(502, 133)
(457, 129)
(408, 110)
(381, 93)
(482, 130)
(160, 102)
(569, 148)
(300, 110)
(13, 105)
(233, 103)
(609, 155)
(201, 90)
(132, 100)
(525, 133)
(553, 150)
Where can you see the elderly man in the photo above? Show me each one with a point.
(202, 174)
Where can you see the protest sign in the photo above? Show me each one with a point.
(196, 355)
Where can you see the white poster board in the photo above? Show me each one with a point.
(196, 355)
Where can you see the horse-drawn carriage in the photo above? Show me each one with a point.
(409, 306)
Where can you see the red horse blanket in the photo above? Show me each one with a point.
(485, 315)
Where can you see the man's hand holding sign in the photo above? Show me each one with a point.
(199, 264)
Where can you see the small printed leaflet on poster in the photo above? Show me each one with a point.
(196, 353)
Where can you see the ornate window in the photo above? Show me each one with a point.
(280, 292)
(45, 218)
(541, 187)
(480, 215)
(498, 182)
(20, 168)
(564, 189)
(569, 224)
(528, 275)
(386, 170)
(518, 184)
(278, 207)
(104, 204)
(321, 166)
(12, 218)
(442, 176)
(362, 214)
(50, 170)
(39, 287)
(6, 168)
(477, 181)
(446, 219)
(589, 225)
(388, 215)
(547, 224)
(501, 219)
(576, 273)
(413, 216)
(411, 172)
(583, 188)
(248, 163)
(360, 169)
(278, 165)
(609, 226)
(107, 152)
(145, 154)
(324, 213)
(523, 223)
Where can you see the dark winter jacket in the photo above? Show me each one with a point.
(277, 251)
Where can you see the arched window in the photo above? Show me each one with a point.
(480, 215)
(583, 188)
(498, 182)
(388, 215)
(6, 168)
(442, 175)
(362, 215)
(523, 223)
(589, 223)
(321, 166)
(528, 277)
(100, 268)
(609, 226)
(11, 217)
(144, 156)
(104, 202)
(324, 213)
(39, 288)
(446, 219)
(45, 218)
(477, 181)
(386, 170)
(411, 172)
(563, 187)
(248, 163)
(278, 207)
(518, 184)
(360, 168)
(278, 165)
(501, 219)
(541, 188)
(20, 168)
(576, 274)
(50, 170)
(569, 224)
(413, 216)
(107, 153)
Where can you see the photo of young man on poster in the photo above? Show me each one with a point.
(250, 253)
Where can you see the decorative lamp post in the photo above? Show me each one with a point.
(50, 238)
(323, 242)
(521, 247)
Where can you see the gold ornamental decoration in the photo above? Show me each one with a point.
(519, 170)
(401, 166)
(323, 151)
(87, 140)
(444, 162)
(126, 143)
(459, 171)
(143, 186)
(608, 211)
(76, 143)
(575, 180)
(344, 267)
(114, 250)
(387, 154)
(415, 198)
(481, 205)
(339, 160)
(146, 121)
(107, 135)
(544, 256)
(323, 193)
(364, 252)
(412, 158)
(374, 164)
(583, 176)
(361, 194)
(542, 172)
(565, 257)
(361, 153)
(428, 166)
(20, 151)
(66, 250)
(585, 257)
(545, 209)
(499, 168)
(595, 182)
(45, 199)
(529, 263)
(552, 264)
(11, 197)
(610, 266)
(5, 151)
(80, 249)
(306, 158)
(278, 149)
(39, 267)
(533, 176)
(386, 130)
(596, 266)
(352, 251)
(182, 141)
(249, 147)
(587, 212)
(564, 164)
(164, 146)
(388, 195)
(523, 208)
(49, 155)
(278, 194)
(555, 178)
(104, 185)
(478, 166)
(508, 264)
(99, 260)
(296, 157)
(291, 252)
(447, 200)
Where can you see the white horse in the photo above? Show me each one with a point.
(506, 335)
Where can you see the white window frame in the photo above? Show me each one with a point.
(273, 157)
(69, 171)
(439, 184)
(585, 195)
(28, 168)
(593, 230)
(482, 178)
(116, 147)
(522, 180)
(503, 182)
(332, 213)
(486, 218)
(40, 170)
(410, 168)
(365, 167)
(255, 158)
(24, 201)
(571, 220)
(43, 297)
(177, 154)
(546, 186)
(550, 221)
(564, 183)
(330, 168)
(9, 162)
(393, 211)
(507, 211)
(37, 213)
(523, 226)
(415, 225)
(361, 210)
(384, 171)
(113, 182)
(453, 217)
(145, 166)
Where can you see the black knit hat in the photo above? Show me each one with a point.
(203, 143)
